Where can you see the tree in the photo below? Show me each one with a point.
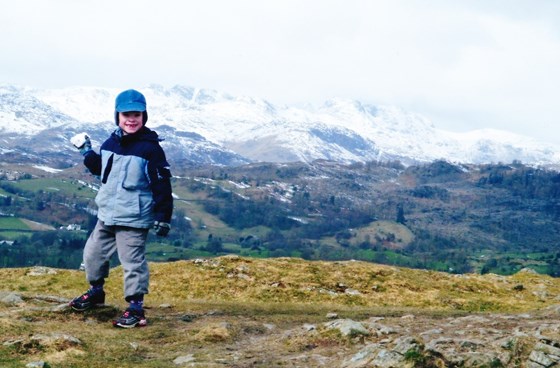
(400, 214)
(214, 244)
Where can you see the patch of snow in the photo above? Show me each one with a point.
(47, 169)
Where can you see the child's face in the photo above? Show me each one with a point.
(130, 122)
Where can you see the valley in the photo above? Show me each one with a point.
(440, 216)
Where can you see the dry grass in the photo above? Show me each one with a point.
(212, 304)
(269, 283)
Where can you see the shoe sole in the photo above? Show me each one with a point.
(142, 323)
(87, 308)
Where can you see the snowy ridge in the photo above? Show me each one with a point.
(207, 126)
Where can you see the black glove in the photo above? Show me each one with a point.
(161, 228)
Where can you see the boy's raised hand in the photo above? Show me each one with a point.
(82, 142)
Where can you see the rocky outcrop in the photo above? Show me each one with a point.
(485, 340)
(219, 338)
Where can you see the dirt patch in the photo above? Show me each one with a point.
(37, 226)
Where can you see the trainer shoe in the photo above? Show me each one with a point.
(131, 317)
(88, 300)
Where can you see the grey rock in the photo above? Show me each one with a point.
(309, 327)
(541, 294)
(41, 271)
(10, 298)
(380, 329)
(362, 358)
(51, 298)
(188, 317)
(528, 270)
(243, 269)
(269, 326)
(184, 359)
(38, 364)
(405, 343)
(531, 364)
(352, 292)
(55, 339)
(470, 344)
(347, 327)
(541, 358)
(547, 349)
(16, 342)
(434, 331)
(388, 359)
(475, 359)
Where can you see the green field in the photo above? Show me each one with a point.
(12, 223)
(12, 228)
(158, 252)
(68, 187)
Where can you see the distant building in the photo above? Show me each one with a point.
(74, 227)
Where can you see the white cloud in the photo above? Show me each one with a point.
(464, 64)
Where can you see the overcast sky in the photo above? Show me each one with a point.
(463, 64)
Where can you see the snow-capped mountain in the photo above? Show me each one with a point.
(205, 126)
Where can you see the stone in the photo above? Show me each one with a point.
(541, 294)
(16, 342)
(541, 358)
(531, 364)
(347, 327)
(528, 270)
(184, 359)
(38, 364)
(362, 358)
(245, 277)
(10, 298)
(404, 344)
(388, 359)
(56, 339)
(242, 268)
(41, 271)
(188, 317)
(547, 349)
(433, 331)
(380, 329)
(269, 326)
(352, 292)
(309, 327)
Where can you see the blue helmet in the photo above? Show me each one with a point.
(130, 100)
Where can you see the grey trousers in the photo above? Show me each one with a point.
(130, 244)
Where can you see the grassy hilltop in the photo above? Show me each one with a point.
(211, 307)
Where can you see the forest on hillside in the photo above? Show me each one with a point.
(485, 218)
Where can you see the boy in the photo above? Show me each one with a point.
(135, 195)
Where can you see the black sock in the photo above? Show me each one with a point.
(136, 304)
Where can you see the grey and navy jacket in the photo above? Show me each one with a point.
(135, 180)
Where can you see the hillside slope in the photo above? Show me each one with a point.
(240, 312)
(459, 218)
